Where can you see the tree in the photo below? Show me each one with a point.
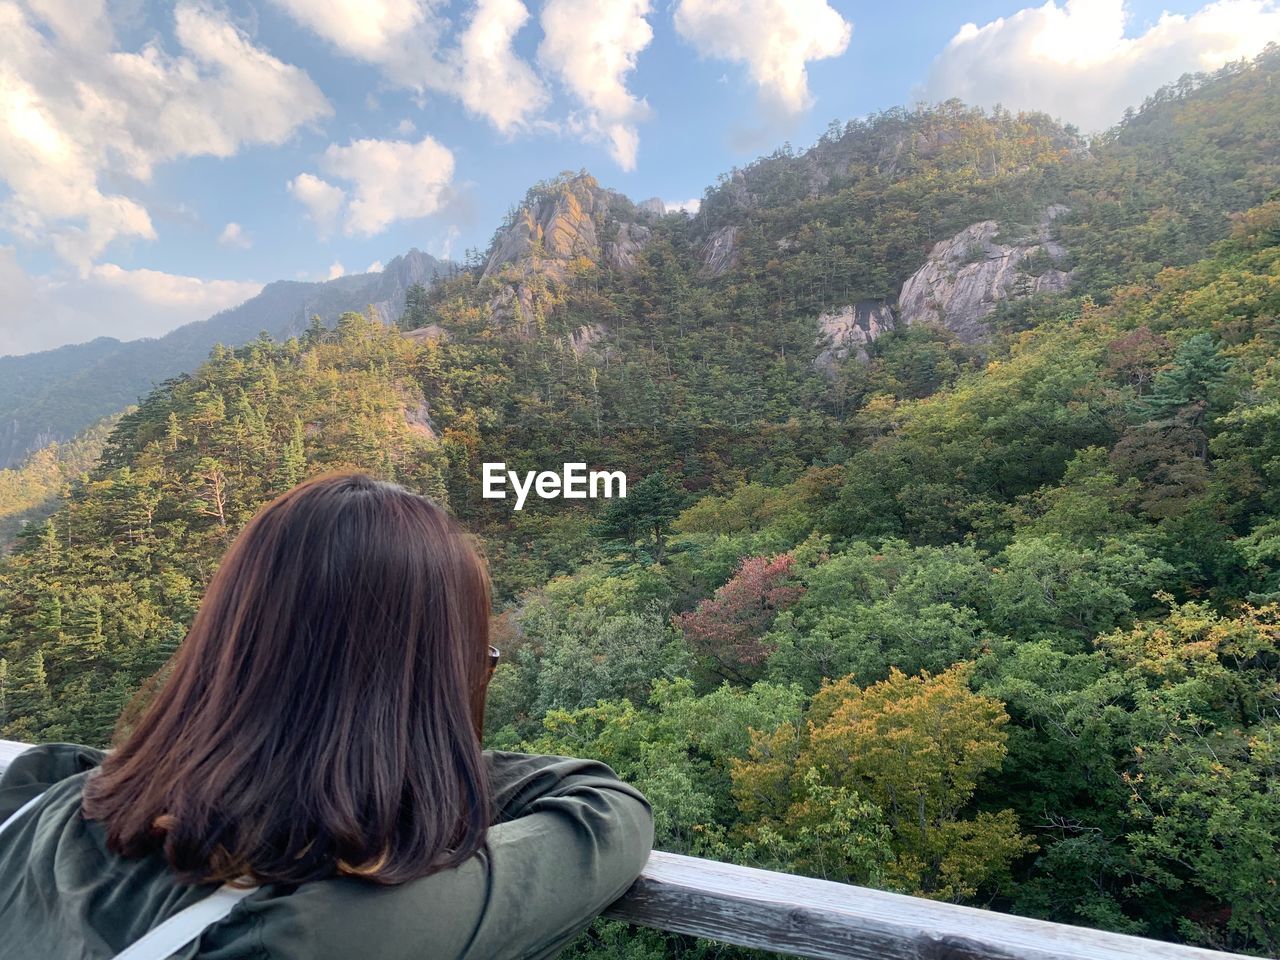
(416, 308)
(26, 698)
(316, 331)
(916, 748)
(1198, 369)
(293, 461)
(644, 514)
(729, 627)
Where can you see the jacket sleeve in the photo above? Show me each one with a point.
(36, 770)
(569, 838)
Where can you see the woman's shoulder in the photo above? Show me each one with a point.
(33, 771)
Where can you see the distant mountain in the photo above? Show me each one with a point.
(55, 394)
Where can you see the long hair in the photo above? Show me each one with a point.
(322, 715)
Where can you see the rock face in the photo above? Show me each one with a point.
(563, 221)
(418, 417)
(566, 222)
(621, 252)
(848, 331)
(585, 338)
(557, 228)
(719, 253)
(654, 205)
(967, 276)
(513, 307)
(432, 331)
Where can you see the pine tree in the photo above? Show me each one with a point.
(315, 333)
(293, 464)
(173, 433)
(415, 313)
(1197, 370)
(27, 698)
(644, 514)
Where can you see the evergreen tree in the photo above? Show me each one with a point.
(644, 514)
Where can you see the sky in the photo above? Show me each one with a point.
(160, 161)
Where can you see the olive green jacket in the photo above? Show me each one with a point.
(569, 837)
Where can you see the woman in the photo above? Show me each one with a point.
(310, 775)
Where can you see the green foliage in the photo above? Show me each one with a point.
(30, 492)
(895, 765)
(101, 592)
(644, 516)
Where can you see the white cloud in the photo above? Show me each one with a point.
(408, 40)
(776, 39)
(172, 290)
(390, 180)
(1075, 62)
(227, 92)
(686, 206)
(444, 245)
(322, 199)
(375, 267)
(371, 30)
(406, 127)
(76, 112)
(42, 312)
(336, 270)
(233, 235)
(489, 78)
(592, 47)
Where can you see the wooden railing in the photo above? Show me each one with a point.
(817, 918)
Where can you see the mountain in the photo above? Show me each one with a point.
(51, 396)
(951, 557)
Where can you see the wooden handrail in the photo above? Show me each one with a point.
(835, 921)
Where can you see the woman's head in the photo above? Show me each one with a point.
(324, 709)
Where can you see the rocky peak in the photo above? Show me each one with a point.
(559, 222)
(385, 291)
(556, 226)
(966, 276)
(566, 219)
(414, 267)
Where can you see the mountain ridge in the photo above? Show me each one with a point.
(52, 395)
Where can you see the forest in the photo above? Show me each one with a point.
(989, 621)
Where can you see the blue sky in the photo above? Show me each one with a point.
(160, 161)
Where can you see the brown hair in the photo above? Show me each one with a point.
(323, 713)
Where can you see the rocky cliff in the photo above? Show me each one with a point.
(958, 287)
(848, 331)
(567, 220)
(965, 277)
(720, 252)
(551, 230)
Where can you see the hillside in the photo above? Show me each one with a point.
(32, 491)
(51, 396)
(951, 560)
